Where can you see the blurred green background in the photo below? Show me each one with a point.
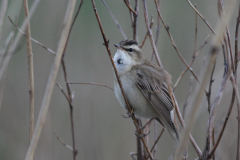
(101, 131)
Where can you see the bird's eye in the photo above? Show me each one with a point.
(130, 49)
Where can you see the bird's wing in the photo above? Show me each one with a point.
(153, 81)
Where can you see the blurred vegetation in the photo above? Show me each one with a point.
(101, 131)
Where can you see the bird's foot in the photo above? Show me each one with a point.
(130, 115)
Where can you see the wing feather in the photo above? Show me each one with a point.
(152, 81)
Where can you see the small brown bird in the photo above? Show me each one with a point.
(146, 85)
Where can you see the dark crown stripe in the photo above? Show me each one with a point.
(128, 42)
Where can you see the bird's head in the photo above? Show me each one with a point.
(128, 54)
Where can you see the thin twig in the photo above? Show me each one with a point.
(157, 139)
(66, 96)
(195, 9)
(115, 20)
(90, 83)
(128, 107)
(70, 98)
(135, 20)
(61, 141)
(224, 125)
(196, 29)
(3, 10)
(173, 43)
(187, 98)
(157, 32)
(236, 39)
(51, 81)
(150, 34)
(17, 39)
(129, 7)
(232, 78)
(37, 42)
(200, 49)
(154, 138)
(210, 86)
(194, 144)
(200, 89)
(74, 19)
(30, 70)
(146, 35)
(131, 14)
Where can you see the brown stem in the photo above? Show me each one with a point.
(150, 34)
(128, 107)
(70, 99)
(195, 9)
(146, 35)
(129, 7)
(115, 20)
(196, 29)
(157, 139)
(135, 20)
(51, 81)
(233, 80)
(90, 83)
(173, 43)
(224, 125)
(210, 86)
(30, 69)
(236, 39)
(187, 98)
(35, 41)
(200, 49)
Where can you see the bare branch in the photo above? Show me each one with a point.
(61, 141)
(187, 98)
(194, 57)
(224, 125)
(237, 53)
(232, 78)
(48, 49)
(173, 43)
(200, 89)
(3, 10)
(115, 20)
(210, 86)
(90, 83)
(118, 79)
(17, 39)
(145, 38)
(129, 7)
(135, 20)
(30, 70)
(51, 81)
(196, 29)
(66, 96)
(195, 9)
(150, 34)
(157, 139)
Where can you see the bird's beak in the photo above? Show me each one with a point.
(117, 46)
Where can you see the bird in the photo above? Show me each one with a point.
(147, 86)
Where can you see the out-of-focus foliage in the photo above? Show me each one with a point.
(101, 131)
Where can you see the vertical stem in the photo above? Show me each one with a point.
(51, 81)
(135, 18)
(30, 69)
(139, 144)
